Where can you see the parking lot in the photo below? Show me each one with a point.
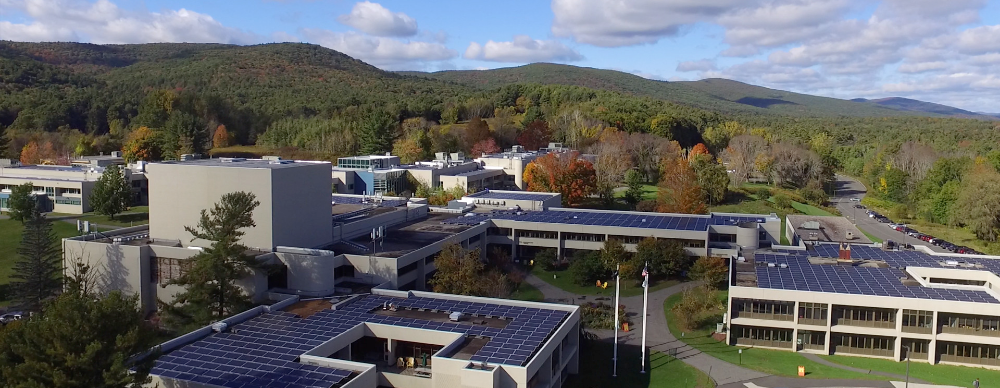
(847, 189)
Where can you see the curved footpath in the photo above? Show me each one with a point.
(726, 375)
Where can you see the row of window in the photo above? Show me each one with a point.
(817, 311)
(583, 237)
(968, 322)
(864, 342)
(68, 201)
(974, 351)
(866, 314)
(918, 318)
(538, 234)
(768, 307)
(762, 333)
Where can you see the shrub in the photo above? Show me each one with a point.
(646, 206)
(763, 193)
(900, 212)
(587, 269)
(813, 195)
(782, 201)
(546, 259)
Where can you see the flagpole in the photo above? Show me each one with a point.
(614, 311)
(645, 302)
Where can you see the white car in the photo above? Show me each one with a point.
(11, 317)
(855, 199)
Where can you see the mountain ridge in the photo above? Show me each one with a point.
(909, 104)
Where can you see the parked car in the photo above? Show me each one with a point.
(883, 220)
(855, 199)
(935, 241)
(11, 317)
(859, 206)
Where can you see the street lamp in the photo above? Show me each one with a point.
(907, 365)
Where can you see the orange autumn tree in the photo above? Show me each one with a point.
(564, 173)
(30, 154)
(679, 190)
(141, 145)
(221, 137)
(698, 149)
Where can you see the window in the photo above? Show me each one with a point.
(537, 234)
(813, 313)
(344, 271)
(167, 269)
(137, 184)
(408, 268)
(718, 237)
(627, 239)
(583, 237)
(493, 231)
(70, 191)
(764, 309)
(762, 336)
(68, 201)
(969, 353)
(50, 191)
(866, 316)
(918, 321)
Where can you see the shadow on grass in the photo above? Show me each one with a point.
(132, 217)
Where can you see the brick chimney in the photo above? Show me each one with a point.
(845, 252)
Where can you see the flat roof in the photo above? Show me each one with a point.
(485, 171)
(832, 229)
(692, 222)
(404, 238)
(875, 272)
(263, 351)
(512, 195)
(241, 163)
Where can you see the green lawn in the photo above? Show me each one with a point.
(810, 210)
(527, 292)
(564, 280)
(649, 193)
(662, 371)
(870, 236)
(10, 238)
(769, 361)
(937, 374)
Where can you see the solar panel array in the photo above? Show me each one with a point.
(801, 275)
(261, 352)
(514, 196)
(900, 259)
(624, 220)
(361, 200)
(718, 219)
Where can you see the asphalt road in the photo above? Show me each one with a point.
(848, 188)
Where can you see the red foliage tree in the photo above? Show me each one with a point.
(679, 190)
(487, 146)
(476, 130)
(698, 149)
(536, 135)
(564, 173)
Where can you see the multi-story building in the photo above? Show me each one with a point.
(383, 339)
(512, 162)
(65, 189)
(371, 175)
(862, 300)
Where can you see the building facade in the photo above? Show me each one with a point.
(861, 300)
(65, 189)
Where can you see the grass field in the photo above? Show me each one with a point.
(564, 280)
(10, 239)
(527, 292)
(137, 215)
(649, 193)
(662, 371)
(938, 374)
(769, 361)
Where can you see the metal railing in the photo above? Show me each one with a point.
(766, 343)
(970, 331)
(864, 351)
(812, 321)
(917, 329)
(861, 323)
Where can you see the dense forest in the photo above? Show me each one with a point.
(159, 101)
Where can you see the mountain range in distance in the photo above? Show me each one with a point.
(714, 94)
(929, 107)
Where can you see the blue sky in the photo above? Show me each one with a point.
(939, 51)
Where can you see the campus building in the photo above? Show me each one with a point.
(863, 300)
(374, 174)
(386, 338)
(65, 189)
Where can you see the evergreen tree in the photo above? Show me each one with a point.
(21, 203)
(36, 272)
(210, 291)
(633, 180)
(79, 341)
(111, 194)
(376, 132)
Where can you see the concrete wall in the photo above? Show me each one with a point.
(311, 274)
(294, 201)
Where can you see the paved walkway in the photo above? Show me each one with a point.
(658, 337)
(820, 360)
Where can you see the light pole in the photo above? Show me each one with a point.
(907, 365)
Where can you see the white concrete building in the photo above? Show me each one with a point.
(65, 189)
(861, 300)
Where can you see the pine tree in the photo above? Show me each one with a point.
(376, 132)
(36, 272)
(210, 291)
(79, 341)
(111, 194)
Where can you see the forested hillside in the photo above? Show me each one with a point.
(713, 94)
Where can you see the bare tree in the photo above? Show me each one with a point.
(795, 166)
(478, 107)
(649, 151)
(915, 159)
(741, 155)
(613, 161)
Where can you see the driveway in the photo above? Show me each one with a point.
(847, 188)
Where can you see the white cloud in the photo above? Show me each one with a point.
(522, 49)
(614, 23)
(702, 65)
(103, 22)
(922, 67)
(379, 51)
(374, 19)
(980, 40)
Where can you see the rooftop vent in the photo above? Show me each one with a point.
(232, 160)
(811, 225)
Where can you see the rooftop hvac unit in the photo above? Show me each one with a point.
(455, 316)
(116, 154)
(770, 265)
(783, 265)
(810, 225)
(219, 327)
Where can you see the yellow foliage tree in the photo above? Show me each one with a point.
(221, 138)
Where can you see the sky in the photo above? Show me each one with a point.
(943, 51)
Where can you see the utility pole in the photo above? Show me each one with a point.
(907, 366)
